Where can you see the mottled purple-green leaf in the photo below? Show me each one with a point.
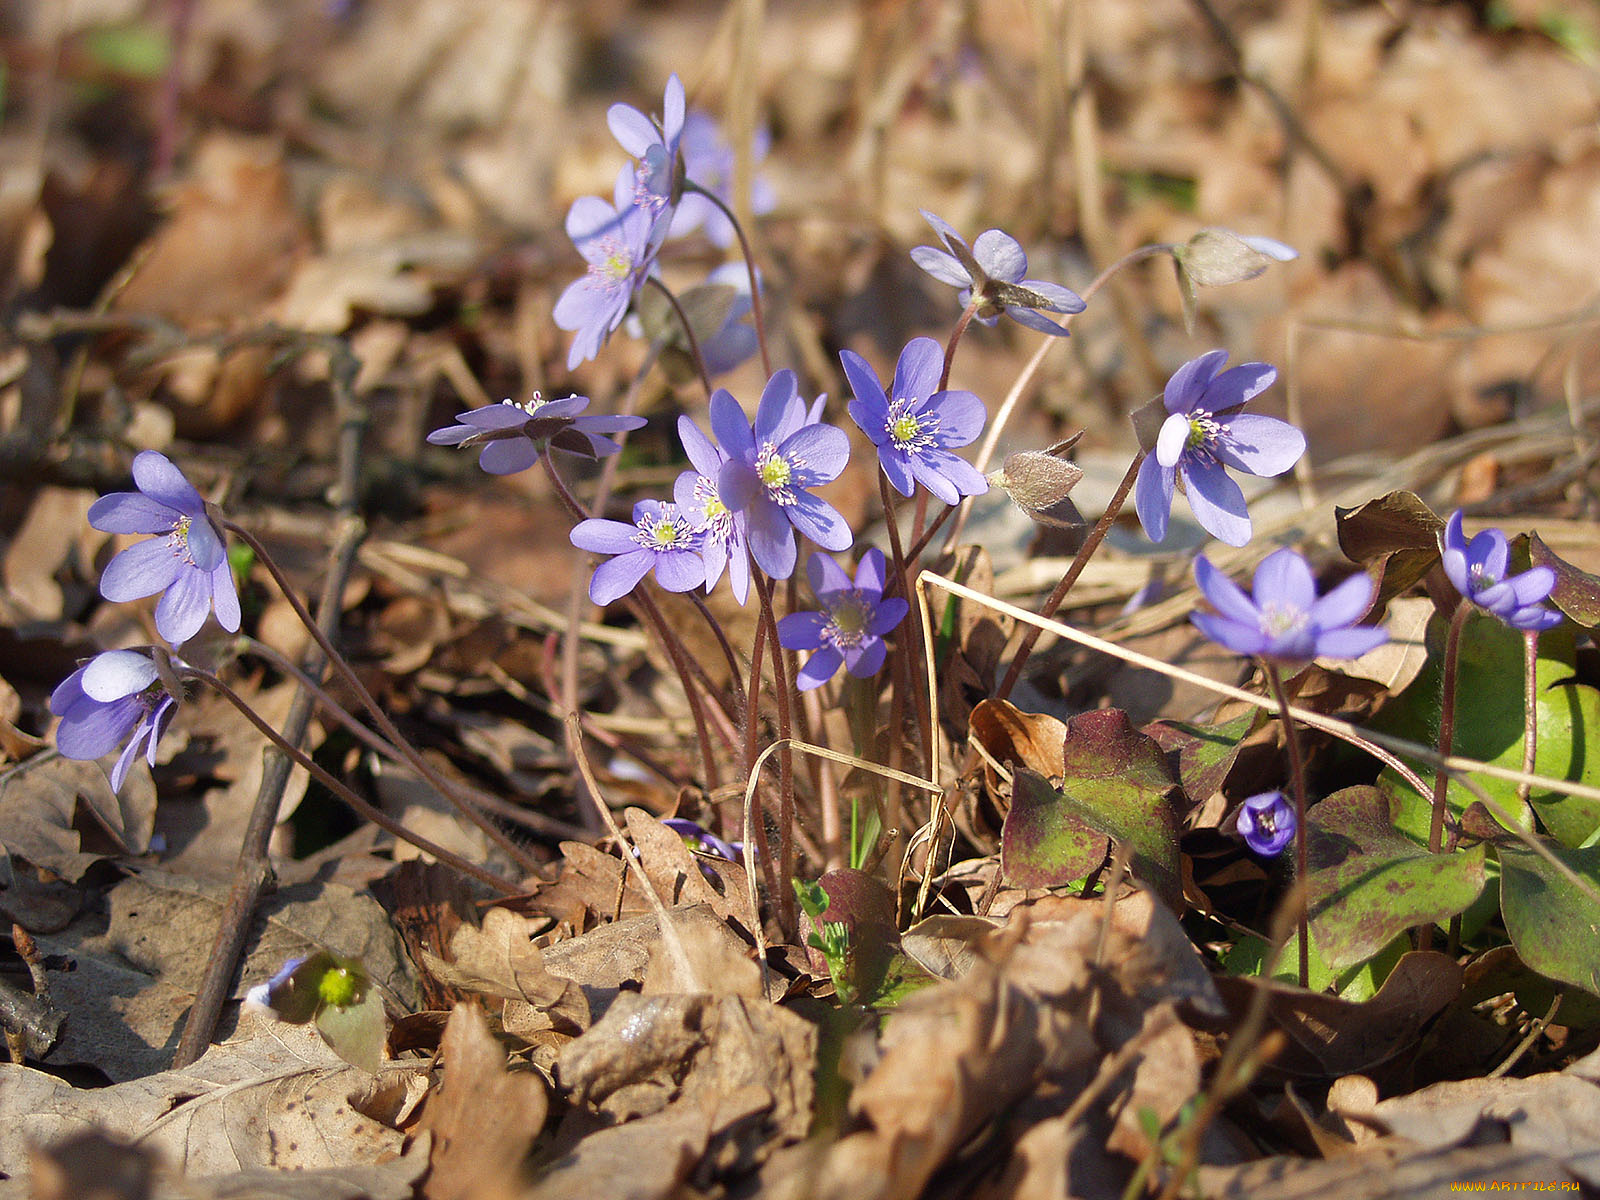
(1200, 756)
(1115, 787)
(1554, 924)
(1368, 882)
(1577, 593)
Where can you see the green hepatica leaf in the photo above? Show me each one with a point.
(1114, 788)
(1202, 755)
(1554, 924)
(1577, 593)
(1368, 882)
(356, 1031)
(1489, 726)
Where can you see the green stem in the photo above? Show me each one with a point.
(1297, 782)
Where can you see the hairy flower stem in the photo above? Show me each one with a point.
(776, 884)
(962, 322)
(756, 307)
(906, 646)
(1297, 782)
(1447, 737)
(688, 333)
(1530, 729)
(645, 604)
(1085, 553)
(361, 808)
(786, 814)
(390, 731)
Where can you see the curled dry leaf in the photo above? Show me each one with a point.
(483, 1117)
(501, 960)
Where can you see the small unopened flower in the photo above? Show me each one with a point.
(708, 162)
(915, 427)
(850, 628)
(660, 539)
(615, 240)
(187, 563)
(657, 179)
(993, 267)
(771, 467)
(1266, 822)
(723, 530)
(1285, 622)
(117, 696)
(1477, 568)
(514, 435)
(702, 839)
(1205, 432)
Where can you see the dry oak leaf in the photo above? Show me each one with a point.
(501, 960)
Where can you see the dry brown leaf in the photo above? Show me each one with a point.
(677, 876)
(483, 1117)
(501, 960)
(40, 805)
(647, 1159)
(53, 528)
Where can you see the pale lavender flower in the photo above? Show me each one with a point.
(1478, 571)
(188, 565)
(736, 340)
(850, 629)
(657, 179)
(615, 240)
(1266, 822)
(1285, 622)
(916, 428)
(514, 435)
(1205, 432)
(708, 162)
(771, 467)
(725, 544)
(994, 266)
(660, 538)
(116, 694)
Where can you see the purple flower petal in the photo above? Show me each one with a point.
(184, 607)
(896, 466)
(1284, 579)
(1216, 501)
(1350, 643)
(616, 577)
(780, 412)
(962, 417)
(739, 485)
(1000, 255)
(731, 426)
(205, 546)
(801, 631)
(825, 575)
(680, 570)
(603, 536)
(1187, 386)
(634, 131)
(1172, 440)
(821, 522)
(225, 597)
(870, 659)
(1241, 639)
(917, 372)
(115, 674)
(941, 266)
(1036, 321)
(1238, 384)
(1152, 497)
(890, 613)
(1225, 595)
(1258, 445)
(132, 512)
(508, 456)
(824, 449)
(872, 573)
(90, 729)
(1345, 605)
(1065, 300)
(157, 478)
(141, 570)
(818, 669)
(771, 538)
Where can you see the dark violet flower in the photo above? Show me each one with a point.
(615, 240)
(915, 430)
(656, 182)
(771, 468)
(723, 530)
(115, 695)
(514, 435)
(660, 538)
(994, 266)
(1478, 571)
(702, 839)
(1285, 622)
(708, 162)
(1266, 822)
(850, 629)
(188, 565)
(1203, 433)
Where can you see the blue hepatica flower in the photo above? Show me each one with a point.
(1285, 622)
(702, 839)
(723, 530)
(915, 426)
(994, 267)
(1266, 822)
(514, 435)
(1205, 432)
(736, 340)
(771, 467)
(850, 629)
(187, 563)
(660, 539)
(115, 697)
(708, 162)
(615, 240)
(1478, 571)
(656, 182)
